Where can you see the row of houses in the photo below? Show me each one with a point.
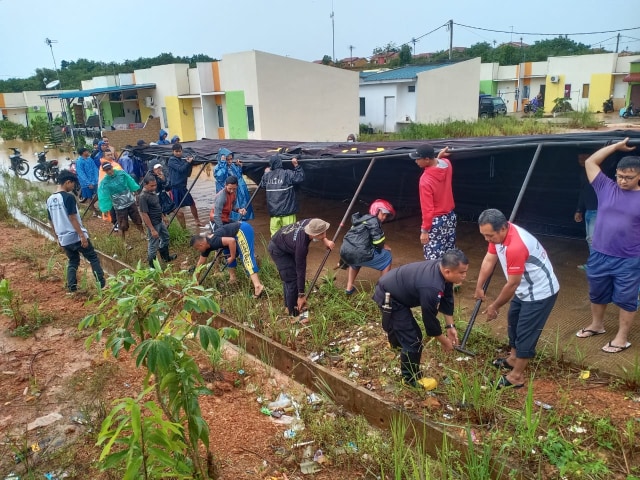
(257, 95)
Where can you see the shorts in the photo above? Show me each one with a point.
(123, 215)
(525, 322)
(381, 260)
(613, 280)
(179, 194)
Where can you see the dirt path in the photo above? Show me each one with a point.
(50, 374)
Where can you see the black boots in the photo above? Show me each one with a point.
(164, 253)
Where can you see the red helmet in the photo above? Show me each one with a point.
(384, 205)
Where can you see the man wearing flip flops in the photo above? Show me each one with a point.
(532, 288)
(613, 268)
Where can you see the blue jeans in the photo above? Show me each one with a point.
(590, 225)
(157, 243)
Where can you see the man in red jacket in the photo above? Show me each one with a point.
(438, 228)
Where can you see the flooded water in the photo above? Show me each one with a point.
(28, 151)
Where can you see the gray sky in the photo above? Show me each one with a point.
(298, 28)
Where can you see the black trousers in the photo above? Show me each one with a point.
(286, 265)
(73, 252)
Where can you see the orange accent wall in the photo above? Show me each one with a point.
(2, 105)
(215, 68)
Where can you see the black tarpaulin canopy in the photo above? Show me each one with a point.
(487, 171)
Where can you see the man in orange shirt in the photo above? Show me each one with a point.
(438, 228)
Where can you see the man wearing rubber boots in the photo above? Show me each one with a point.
(420, 284)
(531, 286)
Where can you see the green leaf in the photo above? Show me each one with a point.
(113, 460)
(157, 353)
(208, 336)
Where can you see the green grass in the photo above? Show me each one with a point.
(499, 126)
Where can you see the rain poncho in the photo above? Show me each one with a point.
(226, 169)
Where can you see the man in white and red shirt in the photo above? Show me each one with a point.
(438, 228)
(531, 286)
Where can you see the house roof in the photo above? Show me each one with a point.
(97, 91)
(403, 73)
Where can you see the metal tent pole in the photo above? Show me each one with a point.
(485, 286)
(342, 223)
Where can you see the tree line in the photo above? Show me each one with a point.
(71, 73)
(511, 53)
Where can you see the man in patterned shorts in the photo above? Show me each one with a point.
(438, 228)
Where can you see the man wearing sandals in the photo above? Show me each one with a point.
(613, 268)
(531, 286)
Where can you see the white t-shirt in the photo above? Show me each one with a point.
(522, 254)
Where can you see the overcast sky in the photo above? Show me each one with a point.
(127, 29)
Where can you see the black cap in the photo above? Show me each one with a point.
(107, 166)
(141, 143)
(423, 151)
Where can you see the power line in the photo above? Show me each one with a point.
(548, 34)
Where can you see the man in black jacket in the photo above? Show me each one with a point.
(429, 285)
(364, 244)
(179, 172)
(288, 249)
(278, 183)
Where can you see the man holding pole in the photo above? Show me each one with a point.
(88, 178)
(531, 286)
(279, 184)
(439, 221)
(179, 172)
(288, 249)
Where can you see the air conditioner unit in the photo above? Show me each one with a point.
(36, 108)
(148, 101)
(555, 78)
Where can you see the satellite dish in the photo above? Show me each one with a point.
(52, 84)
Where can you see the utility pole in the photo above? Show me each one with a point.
(50, 42)
(521, 49)
(413, 40)
(617, 41)
(333, 33)
(450, 40)
(351, 47)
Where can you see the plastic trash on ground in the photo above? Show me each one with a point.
(283, 401)
(309, 467)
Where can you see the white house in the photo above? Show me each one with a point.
(394, 98)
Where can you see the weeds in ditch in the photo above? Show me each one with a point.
(469, 391)
(631, 375)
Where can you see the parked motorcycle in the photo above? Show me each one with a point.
(607, 105)
(46, 169)
(630, 111)
(18, 164)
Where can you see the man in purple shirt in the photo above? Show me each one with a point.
(613, 268)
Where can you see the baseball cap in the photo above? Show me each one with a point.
(316, 227)
(157, 165)
(107, 166)
(141, 143)
(423, 151)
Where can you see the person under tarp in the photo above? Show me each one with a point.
(226, 168)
